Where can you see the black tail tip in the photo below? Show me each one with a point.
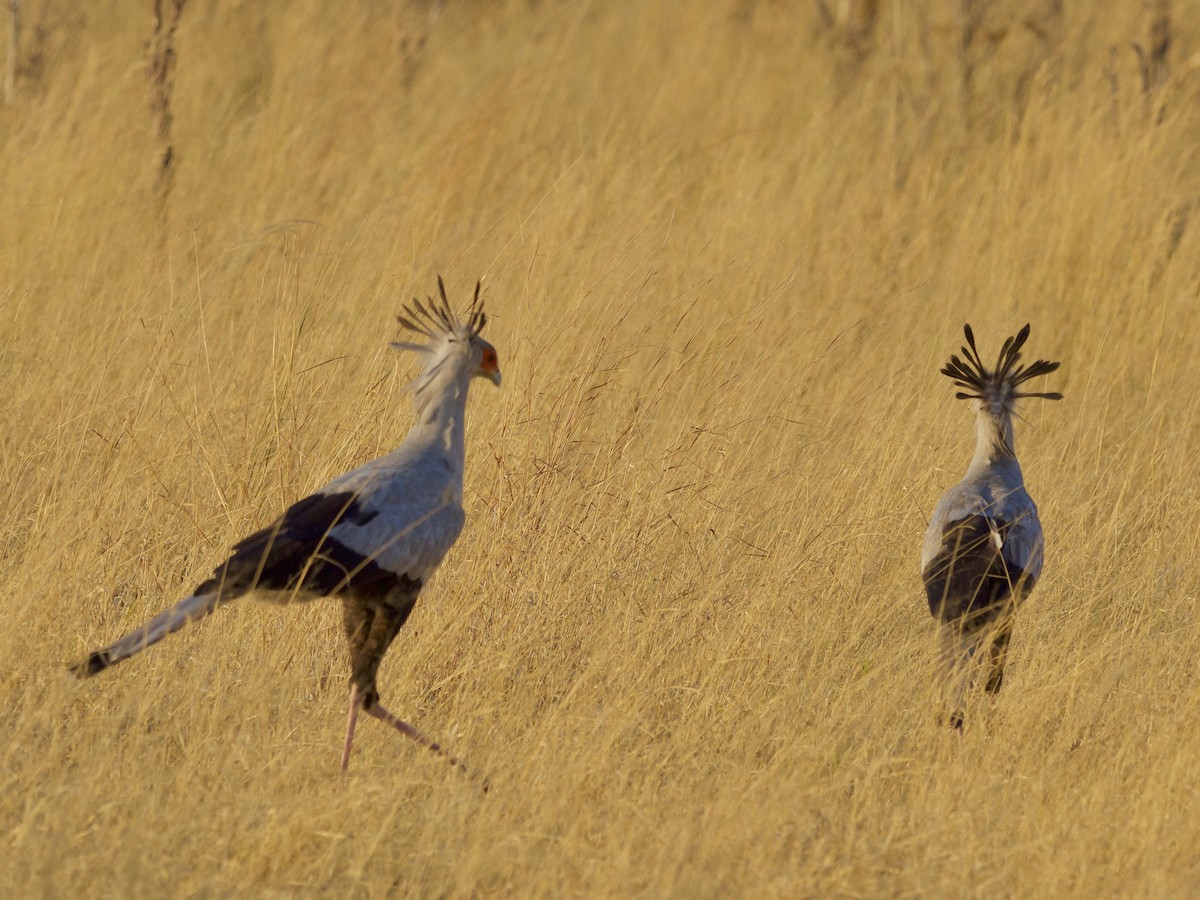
(95, 662)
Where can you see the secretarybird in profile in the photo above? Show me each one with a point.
(983, 549)
(373, 536)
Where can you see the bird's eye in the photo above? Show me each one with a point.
(489, 358)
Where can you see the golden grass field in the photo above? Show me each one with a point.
(684, 632)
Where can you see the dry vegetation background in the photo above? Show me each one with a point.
(726, 249)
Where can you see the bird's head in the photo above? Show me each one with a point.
(996, 391)
(455, 348)
(489, 364)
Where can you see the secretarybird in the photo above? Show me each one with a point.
(983, 549)
(373, 536)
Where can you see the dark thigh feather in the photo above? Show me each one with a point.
(969, 581)
(297, 553)
(371, 626)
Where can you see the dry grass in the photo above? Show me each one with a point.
(683, 632)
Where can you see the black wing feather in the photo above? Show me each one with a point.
(299, 552)
(970, 581)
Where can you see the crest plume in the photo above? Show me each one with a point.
(980, 383)
(435, 320)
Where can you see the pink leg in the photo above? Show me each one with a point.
(408, 731)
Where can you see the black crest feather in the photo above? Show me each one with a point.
(978, 382)
(435, 318)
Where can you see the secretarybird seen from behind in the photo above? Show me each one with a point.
(373, 536)
(983, 549)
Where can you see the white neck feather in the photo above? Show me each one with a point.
(440, 399)
(993, 437)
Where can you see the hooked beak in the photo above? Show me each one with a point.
(495, 376)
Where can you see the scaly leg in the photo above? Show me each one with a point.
(355, 705)
(956, 657)
(998, 653)
(370, 628)
(408, 731)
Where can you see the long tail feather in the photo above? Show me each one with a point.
(167, 622)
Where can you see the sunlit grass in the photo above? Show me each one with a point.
(683, 632)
